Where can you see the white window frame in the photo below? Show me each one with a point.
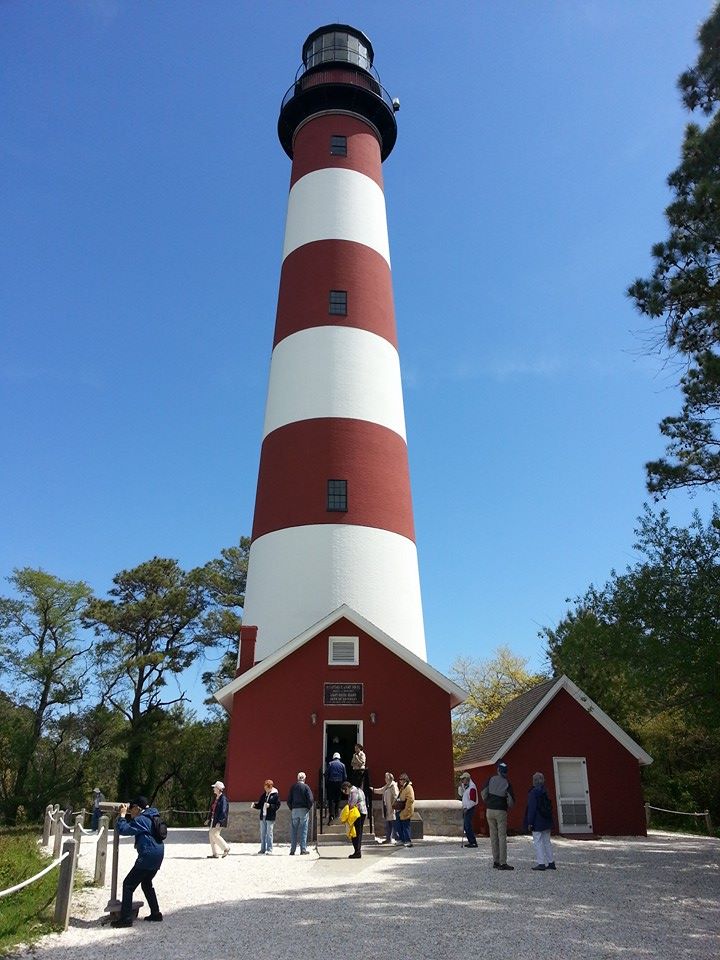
(344, 663)
(572, 827)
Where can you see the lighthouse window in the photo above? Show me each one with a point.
(338, 303)
(337, 495)
(338, 146)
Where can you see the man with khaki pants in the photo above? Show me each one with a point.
(499, 797)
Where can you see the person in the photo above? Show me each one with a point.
(335, 774)
(267, 804)
(98, 798)
(357, 763)
(404, 809)
(468, 793)
(150, 853)
(538, 820)
(300, 801)
(389, 796)
(356, 799)
(217, 819)
(499, 797)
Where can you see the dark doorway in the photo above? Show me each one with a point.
(341, 738)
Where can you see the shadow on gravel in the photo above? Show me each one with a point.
(636, 899)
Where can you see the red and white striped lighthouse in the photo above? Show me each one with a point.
(333, 518)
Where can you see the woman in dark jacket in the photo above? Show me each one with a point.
(217, 819)
(268, 806)
(538, 820)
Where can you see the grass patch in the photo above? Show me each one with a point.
(27, 914)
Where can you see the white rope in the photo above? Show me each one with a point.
(683, 813)
(25, 883)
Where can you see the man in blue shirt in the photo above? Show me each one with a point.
(336, 774)
(135, 819)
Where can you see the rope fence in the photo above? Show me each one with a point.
(26, 883)
(681, 813)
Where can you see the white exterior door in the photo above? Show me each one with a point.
(573, 795)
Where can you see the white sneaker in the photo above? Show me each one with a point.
(407, 844)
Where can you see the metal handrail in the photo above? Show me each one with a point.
(367, 82)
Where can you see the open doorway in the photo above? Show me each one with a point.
(341, 738)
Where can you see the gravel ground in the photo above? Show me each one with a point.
(633, 898)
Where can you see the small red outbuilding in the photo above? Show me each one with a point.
(591, 766)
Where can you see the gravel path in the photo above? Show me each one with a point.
(633, 898)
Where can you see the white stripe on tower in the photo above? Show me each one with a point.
(334, 410)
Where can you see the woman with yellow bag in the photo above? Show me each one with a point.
(353, 814)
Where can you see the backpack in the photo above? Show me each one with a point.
(159, 829)
(544, 806)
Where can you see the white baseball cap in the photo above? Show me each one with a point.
(219, 784)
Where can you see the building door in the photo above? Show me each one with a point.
(341, 738)
(573, 795)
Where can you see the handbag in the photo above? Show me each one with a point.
(399, 804)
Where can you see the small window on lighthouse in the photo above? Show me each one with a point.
(338, 146)
(338, 303)
(337, 495)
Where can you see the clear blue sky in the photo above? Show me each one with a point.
(142, 206)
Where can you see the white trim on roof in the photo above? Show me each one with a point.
(225, 694)
(565, 683)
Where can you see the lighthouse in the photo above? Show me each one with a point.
(333, 619)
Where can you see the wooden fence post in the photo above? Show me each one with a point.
(65, 886)
(101, 852)
(47, 824)
(57, 846)
(708, 822)
(647, 814)
(77, 834)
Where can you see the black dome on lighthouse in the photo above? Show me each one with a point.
(337, 75)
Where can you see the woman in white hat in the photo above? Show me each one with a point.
(217, 819)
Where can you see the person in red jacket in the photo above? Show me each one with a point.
(468, 793)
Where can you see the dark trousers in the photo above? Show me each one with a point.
(333, 797)
(143, 878)
(356, 777)
(468, 827)
(357, 839)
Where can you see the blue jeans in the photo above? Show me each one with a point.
(299, 819)
(266, 835)
(468, 827)
(95, 819)
(403, 828)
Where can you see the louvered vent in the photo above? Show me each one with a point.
(344, 651)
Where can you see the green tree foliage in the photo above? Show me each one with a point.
(149, 631)
(491, 685)
(684, 290)
(44, 668)
(646, 647)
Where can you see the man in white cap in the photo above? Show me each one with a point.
(96, 811)
(468, 793)
(336, 775)
(217, 819)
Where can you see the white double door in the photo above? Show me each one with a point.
(573, 795)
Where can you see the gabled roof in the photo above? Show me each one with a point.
(224, 696)
(497, 738)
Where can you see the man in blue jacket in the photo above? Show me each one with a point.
(135, 819)
(336, 774)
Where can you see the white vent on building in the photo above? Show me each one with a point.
(344, 651)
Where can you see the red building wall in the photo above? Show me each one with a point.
(565, 729)
(271, 733)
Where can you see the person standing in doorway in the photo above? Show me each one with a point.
(300, 801)
(356, 798)
(468, 793)
(135, 819)
(404, 809)
(389, 795)
(98, 798)
(358, 766)
(499, 798)
(267, 804)
(217, 819)
(335, 775)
